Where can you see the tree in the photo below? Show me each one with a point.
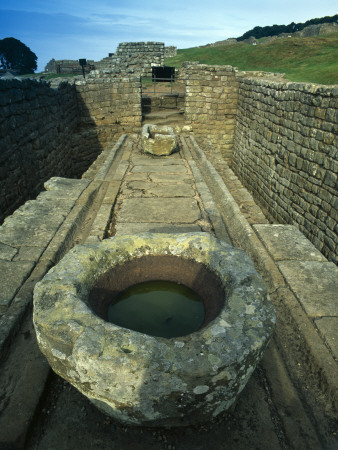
(14, 55)
(259, 32)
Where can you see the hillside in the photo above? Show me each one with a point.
(275, 30)
(303, 59)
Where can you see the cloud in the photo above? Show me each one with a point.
(82, 28)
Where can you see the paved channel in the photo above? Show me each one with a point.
(281, 406)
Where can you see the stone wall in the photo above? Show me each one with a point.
(59, 131)
(134, 57)
(68, 66)
(36, 128)
(159, 102)
(110, 104)
(285, 153)
(170, 51)
(211, 104)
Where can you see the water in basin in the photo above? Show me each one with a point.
(158, 308)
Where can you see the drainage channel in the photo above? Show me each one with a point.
(172, 195)
(160, 195)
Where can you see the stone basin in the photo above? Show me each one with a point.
(159, 140)
(141, 379)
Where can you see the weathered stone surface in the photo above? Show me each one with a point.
(142, 379)
(287, 242)
(284, 152)
(159, 141)
(25, 223)
(136, 228)
(66, 187)
(149, 160)
(169, 177)
(160, 169)
(171, 210)
(314, 283)
(162, 190)
(7, 252)
(13, 274)
(328, 327)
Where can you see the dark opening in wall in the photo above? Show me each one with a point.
(163, 73)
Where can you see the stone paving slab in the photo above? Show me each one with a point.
(25, 235)
(328, 327)
(160, 190)
(35, 223)
(13, 274)
(171, 210)
(172, 168)
(170, 178)
(29, 253)
(134, 228)
(157, 161)
(26, 223)
(286, 242)
(66, 187)
(7, 252)
(315, 284)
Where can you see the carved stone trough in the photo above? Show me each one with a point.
(141, 379)
(159, 140)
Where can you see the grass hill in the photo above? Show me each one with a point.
(303, 59)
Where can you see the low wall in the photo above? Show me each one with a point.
(285, 153)
(211, 104)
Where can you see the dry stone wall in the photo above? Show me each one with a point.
(211, 104)
(285, 152)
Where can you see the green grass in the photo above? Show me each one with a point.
(313, 60)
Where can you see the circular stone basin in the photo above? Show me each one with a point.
(142, 379)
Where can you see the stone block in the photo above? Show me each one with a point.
(173, 210)
(159, 141)
(328, 328)
(286, 242)
(314, 283)
(13, 275)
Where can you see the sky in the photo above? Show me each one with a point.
(73, 29)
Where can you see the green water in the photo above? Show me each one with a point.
(158, 308)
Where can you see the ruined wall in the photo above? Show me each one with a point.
(170, 51)
(211, 104)
(285, 152)
(110, 104)
(58, 131)
(134, 57)
(156, 103)
(36, 127)
(68, 66)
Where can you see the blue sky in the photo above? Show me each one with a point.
(66, 29)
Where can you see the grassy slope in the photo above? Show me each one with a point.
(313, 60)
